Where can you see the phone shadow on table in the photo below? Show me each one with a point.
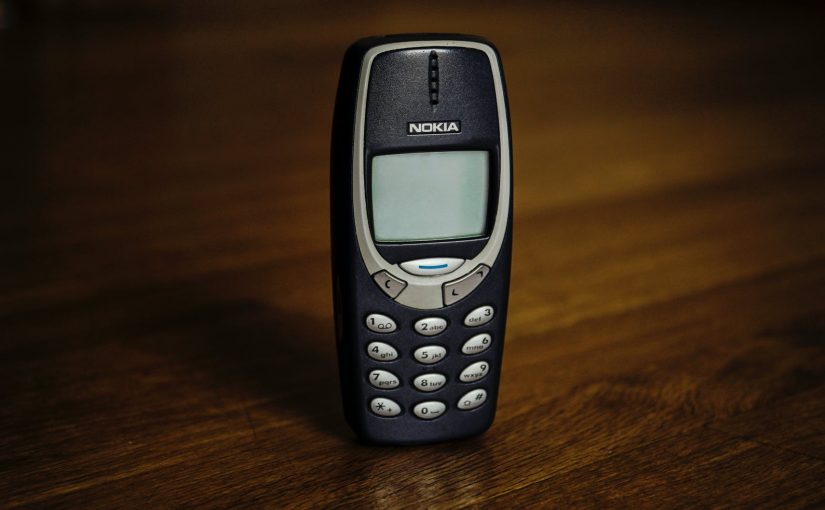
(280, 363)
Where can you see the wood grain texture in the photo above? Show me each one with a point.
(166, 331)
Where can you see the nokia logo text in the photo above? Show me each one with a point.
(441, 127)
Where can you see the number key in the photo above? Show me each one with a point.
(474, 372)
(429, 410)
(430, 354)
(430, 326)
(380, 323)
(429, 382)
(479, 316)
(379, 351)
(383, 379)
(477, 344)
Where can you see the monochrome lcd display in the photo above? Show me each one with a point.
(426, 196)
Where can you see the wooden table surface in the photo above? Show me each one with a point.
(166, 333)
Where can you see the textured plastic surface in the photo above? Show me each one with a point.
(465, 93)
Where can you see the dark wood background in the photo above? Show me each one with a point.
(166, 332)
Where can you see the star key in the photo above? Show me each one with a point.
(385, 407)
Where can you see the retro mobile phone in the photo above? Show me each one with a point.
(421, 235)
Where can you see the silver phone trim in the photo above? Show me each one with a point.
(424, 292)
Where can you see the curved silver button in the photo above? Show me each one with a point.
(385, 407)
(479, 316)
(472, 399)
(388, 283)
(383, 379)
(429, 382)
(429, 410)
(430, 326)
(474, 372)
(380, 323)
(430, 354)
(477, 344)
(457, 290)
(379, 351)
(431, 266)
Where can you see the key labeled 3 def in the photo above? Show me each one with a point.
(479, 316)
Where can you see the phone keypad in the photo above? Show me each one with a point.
(426, 355)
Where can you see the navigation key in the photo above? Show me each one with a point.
(431, 266)
(457, 290)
